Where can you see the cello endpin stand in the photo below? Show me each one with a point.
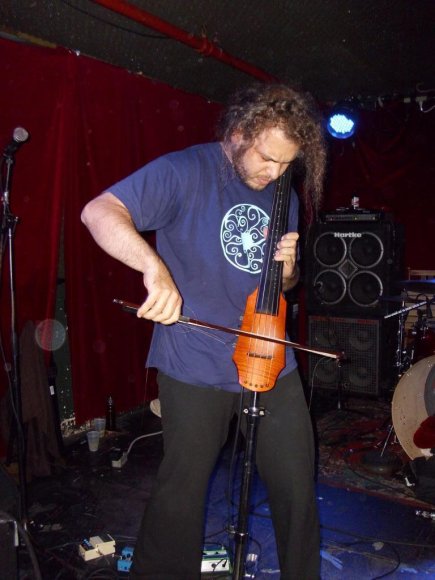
(253, 414)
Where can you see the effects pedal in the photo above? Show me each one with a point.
(126, 559)
(96, 547)
(215, 559)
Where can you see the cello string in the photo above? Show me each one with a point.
(261, 301)
(268, 298)
(283, 225)
(263, 291)
(271, 289)
(282, 219)
(263, 295)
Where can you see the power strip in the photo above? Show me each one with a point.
(119, 462)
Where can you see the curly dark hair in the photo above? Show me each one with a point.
(261, 106)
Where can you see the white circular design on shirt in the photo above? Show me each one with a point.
(242, 236)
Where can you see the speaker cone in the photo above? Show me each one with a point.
(329, 250)
(365, 288)
(366, 251)
(360, 377)
(362, 339)
(326, 373)
(330, 287)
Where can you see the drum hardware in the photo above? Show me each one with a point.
(409, 364)
(423, 336)
(405, 357)
(382, 461)
(381, 464)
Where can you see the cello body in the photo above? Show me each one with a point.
(259, 362)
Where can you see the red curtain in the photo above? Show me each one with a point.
(121, 121)
(90, 125)
(33, 97)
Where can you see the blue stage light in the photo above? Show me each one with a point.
(341, 122)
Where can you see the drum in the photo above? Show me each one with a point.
(413, 402)
(424, 341)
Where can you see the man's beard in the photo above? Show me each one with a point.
(237, 158)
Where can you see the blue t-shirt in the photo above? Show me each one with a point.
(210, 233)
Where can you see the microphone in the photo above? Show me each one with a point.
(19, 137)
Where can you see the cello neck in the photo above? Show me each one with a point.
(270, 286)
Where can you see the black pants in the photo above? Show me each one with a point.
(195, 427)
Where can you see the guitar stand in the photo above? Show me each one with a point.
(253, 415)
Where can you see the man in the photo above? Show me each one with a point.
(210, 206)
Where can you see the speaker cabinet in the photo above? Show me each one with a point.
(349, 265)
(369, 346)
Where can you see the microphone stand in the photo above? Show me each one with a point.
(7, 232)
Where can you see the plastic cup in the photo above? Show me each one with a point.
(99, 424)
(93, 440)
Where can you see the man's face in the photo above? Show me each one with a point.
(265, 160)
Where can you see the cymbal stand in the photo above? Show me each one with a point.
(401, 363)
(340, 403)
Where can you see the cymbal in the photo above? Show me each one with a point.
(383, 298)
(418, 285)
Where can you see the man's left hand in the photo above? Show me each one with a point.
(287, 252)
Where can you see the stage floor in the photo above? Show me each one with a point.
(372, 526)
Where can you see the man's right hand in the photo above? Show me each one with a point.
(163, 303)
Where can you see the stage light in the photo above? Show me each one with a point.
(342, 121)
